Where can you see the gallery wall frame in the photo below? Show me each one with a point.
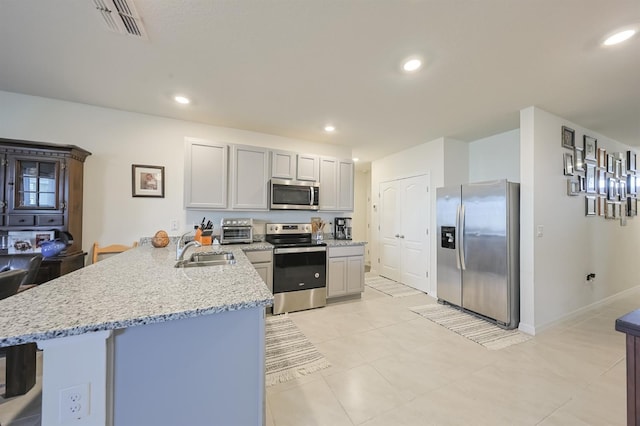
(568, 137)
(147, 181)
(568, 164)
(590, 148)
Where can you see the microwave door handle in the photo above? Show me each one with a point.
(312, 195)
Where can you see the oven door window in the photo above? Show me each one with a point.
(240, 233)
(299, 271)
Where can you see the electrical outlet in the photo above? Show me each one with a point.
(174, 224)
(74, 402)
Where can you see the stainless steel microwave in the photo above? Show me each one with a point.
(294, 195)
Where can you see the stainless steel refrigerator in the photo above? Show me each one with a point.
(478, 249)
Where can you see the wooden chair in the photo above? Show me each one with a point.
(113, 248)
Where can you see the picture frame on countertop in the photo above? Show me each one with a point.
(602, 158)
(631, 161)
(147, 181)
(611, 163)
(568, 137)
(578, 158)
(573, 186)
(568, 164)
(590, 205)
(601, 181)
(590, 178)
(602, 203)
(632, 207)
(590, 148)
(632, 187)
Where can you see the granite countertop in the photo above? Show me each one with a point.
(341, 243)
(139, 286)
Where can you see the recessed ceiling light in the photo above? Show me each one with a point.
(355, 159)
(619, 37)
(181, 100)
(412, 65)
(329, 128)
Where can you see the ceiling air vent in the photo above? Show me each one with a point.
(121, 17)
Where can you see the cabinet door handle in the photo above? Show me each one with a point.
(401, 236)
(21, 220)
(397, 235)
(51, 220)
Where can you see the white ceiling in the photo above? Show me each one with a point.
(287, 67)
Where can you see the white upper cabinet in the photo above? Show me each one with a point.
(328, 183)
(345, 185)
(205, 174)
(283, 165)
(308, 167)
(336, 184)
(249, 177)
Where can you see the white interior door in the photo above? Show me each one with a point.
(389, 231)
(414, 232)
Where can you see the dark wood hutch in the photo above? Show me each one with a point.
(41, 190)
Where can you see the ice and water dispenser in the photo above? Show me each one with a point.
(448, 237)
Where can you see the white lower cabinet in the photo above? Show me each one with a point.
(345, 270)
(263, 262)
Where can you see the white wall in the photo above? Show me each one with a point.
(362, 182)
(118, 139)
(445, 160)
(495, 157)
(554, 266)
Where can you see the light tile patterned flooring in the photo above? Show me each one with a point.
(393, 367)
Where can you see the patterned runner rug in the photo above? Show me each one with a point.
(392, 288)
(289, 354)
(473, 328)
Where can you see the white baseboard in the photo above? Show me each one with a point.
(529, 329)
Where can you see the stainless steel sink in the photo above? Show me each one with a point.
(207, 259)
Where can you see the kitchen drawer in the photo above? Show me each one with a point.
(21, 220)
(259, 256)
(346, 251)
(49, 220)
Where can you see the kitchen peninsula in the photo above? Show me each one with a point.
(148, 343)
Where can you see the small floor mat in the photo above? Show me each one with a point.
(473, 328)
(289, 354)
(390, 287)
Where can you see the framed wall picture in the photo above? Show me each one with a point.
(147, 181)
(568, 164)
(582, 185)
(578, 159)
(622, 189)
(602, 158)
(617, 171)
(612, 189)
(632, 188)
(631, 161)
(602, 203)
(590, 178)
(617, 210)
(573, 186)
(632, 207)
(611, 163)
(568, 137)
(601, 181)
(609, 210)
(590, 206)
(590, 148)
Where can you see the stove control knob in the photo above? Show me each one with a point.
(317, 275)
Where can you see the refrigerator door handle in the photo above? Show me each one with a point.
(461, 239)
(457, 237)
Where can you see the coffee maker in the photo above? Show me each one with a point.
(342, 228)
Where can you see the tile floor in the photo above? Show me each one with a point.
(393, 367)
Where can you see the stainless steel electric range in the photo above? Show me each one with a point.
(300, 267)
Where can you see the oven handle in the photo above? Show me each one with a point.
(298, 250)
